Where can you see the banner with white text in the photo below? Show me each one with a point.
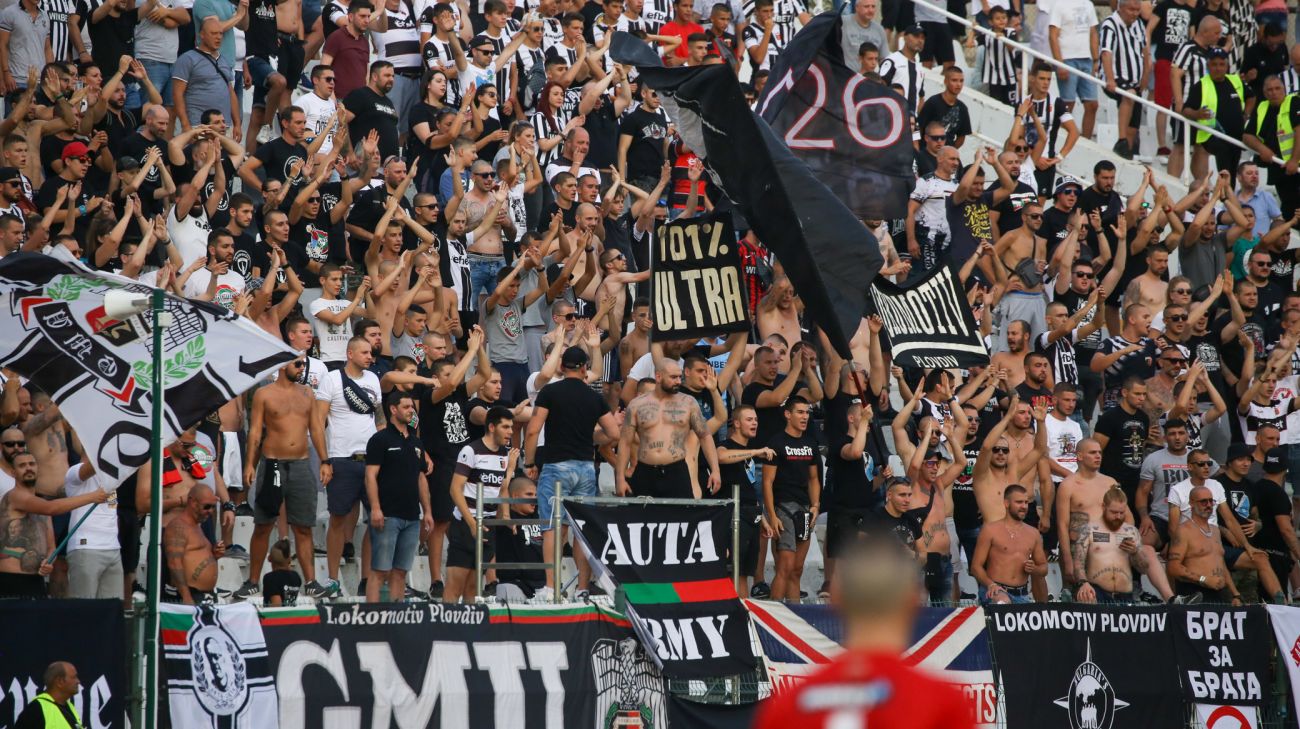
(698, 284)
(1222, 653)
(929, 323)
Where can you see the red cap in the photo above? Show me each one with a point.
(75, 149)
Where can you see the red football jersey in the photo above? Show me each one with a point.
(876, 689)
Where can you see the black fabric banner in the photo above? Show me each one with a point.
(1085, 666)
(698, 284)
(1223, 653)
(89, 634)
(671, 562)
(929, 323)
(855, 134)
(827, 253)
(439, 666)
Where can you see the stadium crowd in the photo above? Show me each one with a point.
(457, 236)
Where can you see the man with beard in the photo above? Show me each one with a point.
(1160, 472)
(191, 558)
(1064, 330)
(1064, 217)
(369, 108)
(661, 420)
(214, 281)
(26, 535)
(1106, 555)
(1272, 509)
(1036, 389)
(1196, 563)
(927, 217)
(1126, 356)
(1000, 464)
(1102, 199)
(1063, 436)
(1269, 292)
(1150, 288)
(277, 157)
(1009, 553)
(1007, 215)
(1018, 336)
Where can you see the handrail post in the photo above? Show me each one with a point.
(557, 553)
(1186, 177)
(478, 540)
(735, 535)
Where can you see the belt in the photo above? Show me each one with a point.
(358, 457)
(282, 36)
(485, 256)
(1017, 591)
(415, 74)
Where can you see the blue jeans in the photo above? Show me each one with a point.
(984, 596)
(310, 13)
(1075, 87)
(483, 276)
(134, 99)
(160, 75)
(574, 478)
(260, 69)
(393, 547)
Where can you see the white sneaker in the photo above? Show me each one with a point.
(543, 595)
(265, 134)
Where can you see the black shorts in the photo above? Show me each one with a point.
(347, 487)
(751, 519)
(1223, 596)
(1008, 94)
(897, 15)
(1044, 180)
(1281, 564)
(1135, 118)
(292, 58)
(844, 526)
(460, 545)
(128, 538)
(201, 597)
(669, 481)
(444, 468)
(1162, 529)
(938, 43)
(22, 586)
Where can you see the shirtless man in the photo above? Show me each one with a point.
(935, 544)
(1009, 553)
(1106, 554)
(778, 311)
(661, 420)
(1022, 254)
(1150, 289)
(383, 300)
(1013, 358)
(1002, 462)
(181, 473)
(191, 558)
(26, 534)
(288, 413)
(613, 264)
(636, 343)
(1196, 556)
(47, 438)
(1079, 503)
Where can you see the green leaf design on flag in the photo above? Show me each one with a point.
(178, 368)
(68, 287)
(143, 372)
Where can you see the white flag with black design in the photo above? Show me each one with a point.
(100, 370)
(218, 674)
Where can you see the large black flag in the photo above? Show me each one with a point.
(855, 134)
(829, 256)
(929, 323)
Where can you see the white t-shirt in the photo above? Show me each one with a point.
(190, 236)
(333, 338)
(6, 484)
(100, 529)
(1074, 18)
(348, 431)
(1180, 495)
(229, 285)
(318, 113)
(1063, 438)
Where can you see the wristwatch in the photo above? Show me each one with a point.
(228, 506)
(1201, 581)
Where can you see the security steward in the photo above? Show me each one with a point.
(1272, 135)
(52, 708)
(1218, 101)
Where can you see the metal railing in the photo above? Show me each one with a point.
(1190, 125)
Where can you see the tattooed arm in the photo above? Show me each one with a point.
(1138, 558)
(174, 542)
(625, 448)
(701, 428)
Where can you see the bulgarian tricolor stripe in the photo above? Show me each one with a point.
(656, 593)
(176, 626)
(541, 615)
(290, 616)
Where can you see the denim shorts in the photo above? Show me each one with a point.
(160, 75)
(261, 70)
(574, 478)
(393, 547)
(1075, 87)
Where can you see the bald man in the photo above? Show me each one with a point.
(927, 213)
(191, 558)
(661, 420)
(54, 703)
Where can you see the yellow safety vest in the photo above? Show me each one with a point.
(1285, 135)
(1210, 100)
(54, 718)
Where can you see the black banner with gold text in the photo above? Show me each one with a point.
(697, 288)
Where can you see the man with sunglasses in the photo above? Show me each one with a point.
(933, 139)
(12, 442)
(76, 163)
(1197, 559)
(191, 558)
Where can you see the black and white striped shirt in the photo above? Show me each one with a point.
(785, 14)
(1001, 61)
(499, 43)
(1191, 58)
(1127, 46)
(437, 54)
(543, 128)
(58, 11)
(1291, 80)
(400, 44)
(897, 69)
(655, 13)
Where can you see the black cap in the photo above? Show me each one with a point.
(914, 29)
(8, 174)
(1275, 460)
(573, 358)
(127, 163)
(482, 40)
(1239, 450)
(1216, 52)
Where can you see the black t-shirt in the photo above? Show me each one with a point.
(848, 481)
(1009, 210)
(478, 431)
(1109, 206)
(602, 126)
(1264, 63)
(367, 209)
(1271, 502)
(373, 111)
(573, 410)
(49, 192)
(1242, 495)
(307, 243)
(444, 425)
(111, 37)
(401, 461)
(1035, 395)
(432, 161)
(250, 254)
(1231, 351)
(770, 420)
(1073, 302)
(260, 36)
(285, 583)
(965, 509)
(793, 457)
(905, 527)
(968, 223)
(1230, 113)
(524, 544)
(955, 118)
(330, 195)
(1121, 459)
(648, 130)
(1053, 229)
(742, 473)
(1173, 29)
(278, 156)
(926, 163)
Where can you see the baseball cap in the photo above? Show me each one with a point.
(127, 163)
(10, 174)
(914, 29)
(75, 149)
(1275, 460)
(573, 358)
(482, 40)
(1239, 450)
(1216, 52)
(1064, 182)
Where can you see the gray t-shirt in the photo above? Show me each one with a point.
(505, 332)
(539, 314)
(1203, 261)
(1164, 469)
(27, 39)
(854, 35)
(206, 86)
(155, 42)
(409, 345)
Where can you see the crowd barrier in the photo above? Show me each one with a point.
(345, 666)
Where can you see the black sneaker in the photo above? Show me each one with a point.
(349, 552)
(803, 595)
(490, 589)
(361, 587)
(244, 509)
(413, 594)
(1122, 149)
(760, 591)
(435, 590)
(317, 591)
(594, 590)
(1149, 599)
(247, 590)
